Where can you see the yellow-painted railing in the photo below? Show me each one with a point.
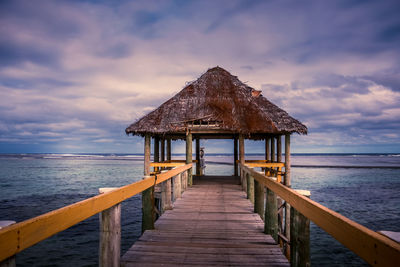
(374, 248)
(22, 235)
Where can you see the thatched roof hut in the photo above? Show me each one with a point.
(217, 104)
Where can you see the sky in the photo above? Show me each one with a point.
(75, 74)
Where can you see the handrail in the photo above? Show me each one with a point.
(22, 235)
(166, 164)
(371, 246)
(266, 165)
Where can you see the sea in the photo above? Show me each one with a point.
(362, 187)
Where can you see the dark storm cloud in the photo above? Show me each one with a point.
(76, 73)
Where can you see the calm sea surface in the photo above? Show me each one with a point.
(32, 184)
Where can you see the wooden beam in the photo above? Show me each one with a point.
(267, 149)
(168, 148)
(162, 149)
(110, 235)
(271, 215)
(299, 236)
(235, 156)
(279, 148)
(242, 159)
(273, 158)
(189, 156)
(259, 198)
(148, 211)
(156, 152)
(197, 156)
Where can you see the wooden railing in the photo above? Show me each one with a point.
(374, 248)
(22, 235)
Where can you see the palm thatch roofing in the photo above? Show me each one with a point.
(217, 103)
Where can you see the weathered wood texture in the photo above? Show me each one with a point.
(189, 157)
(212, 224)
(110, 236)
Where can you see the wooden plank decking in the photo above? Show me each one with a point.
(212, 224)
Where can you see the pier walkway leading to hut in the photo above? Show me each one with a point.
(212, 224)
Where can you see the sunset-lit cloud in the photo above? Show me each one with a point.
(74, 74)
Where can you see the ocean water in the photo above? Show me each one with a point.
(33, 184)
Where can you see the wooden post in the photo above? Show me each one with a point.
(148, 211)
(271, 215)
(279, 148)
(9, 262)
(162, 149)
(156, 152)
(250, 188)
(168, 148)
(177, 187)
(273, 149)
(197, 156)
(166, 195)
(259, 198)
(241, 157)
(267, 149)
(235, 155)
(189, 156)
(183, 180)
(287, 160)
(299, 236)
(287, 182)
(110, 234)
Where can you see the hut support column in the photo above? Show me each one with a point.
(162, 149)
(267, 149)
(148, 211)
(189, 156)
(169, 149)
(235, 155)
(198, 156)
(279, 148)
(241, 159)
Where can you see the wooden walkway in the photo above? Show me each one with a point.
(212, 224)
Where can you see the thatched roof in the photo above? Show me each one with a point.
(217, 102)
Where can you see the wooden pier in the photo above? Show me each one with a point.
(212, 224)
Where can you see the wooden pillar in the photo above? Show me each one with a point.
(148, 211)
(162, 149)
(287, 182)
(189, 156)
(259, 198)
(156, 152)
(177, 186)
(287, 160)
(169, 149)
(250, 188)
(299, 237)
(110, 234)
(242, 159)
(183, 181)
(279, 148)
(271, 215)
(9, 262)
(267, 149)
(235, 155)
(273, 159)
(166, 195)
(197, 156)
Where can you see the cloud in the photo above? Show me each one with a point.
(79, 72)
